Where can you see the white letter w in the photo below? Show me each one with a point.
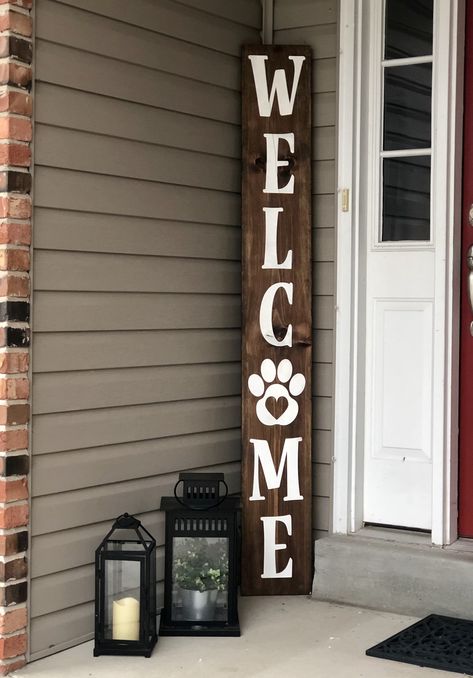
(278, 88)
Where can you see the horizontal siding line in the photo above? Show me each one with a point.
(323, 161)
(143, 367)
(67, 333)
(138, 103)
(317, 127)
(149, 366)
(90, 565)
(306, 26)
(69, 608)
(103, 253)
(141, 293)
(235, 227)
(71, 569)
(150, 30)
(170, 476)
(324, 58)
(326, 491)
(295, 28)
(327, 161)
(218, 16)
(185, 257)
(124, 407)
(179, 436)
(147, 329)
(234, 327)
(140, 65)
(197, 434)
(139, 254)
(167, 35)
(137, 216)
(147, 181)
(173, 294)
(234, 396)
(34, 496)
(134, 216)
(146, 143)
(193, 9)
(203, 330)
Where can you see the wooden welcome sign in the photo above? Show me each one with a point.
(277, 321)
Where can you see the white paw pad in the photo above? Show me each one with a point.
(262, 387)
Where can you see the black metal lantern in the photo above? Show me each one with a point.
(125, 590)
(201, 558)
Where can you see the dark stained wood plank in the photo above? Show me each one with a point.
(294, 233)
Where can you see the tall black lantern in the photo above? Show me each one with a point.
(125, 590)
(201, 559)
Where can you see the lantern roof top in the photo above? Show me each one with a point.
(130, 530)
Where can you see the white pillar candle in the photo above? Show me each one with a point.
(126, 619)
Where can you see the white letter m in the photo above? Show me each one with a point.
(289, 457)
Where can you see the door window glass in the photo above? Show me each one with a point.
(407, 120)
(409, 26)
(407, 106)
(406, 198)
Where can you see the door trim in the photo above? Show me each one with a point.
(446, 210)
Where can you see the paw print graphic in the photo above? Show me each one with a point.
(262, 387)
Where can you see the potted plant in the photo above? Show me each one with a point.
(200, 572)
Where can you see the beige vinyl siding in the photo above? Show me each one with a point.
(314, 22)
(136, 346)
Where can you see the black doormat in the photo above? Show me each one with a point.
(437, 642)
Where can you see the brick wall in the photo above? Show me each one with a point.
(15, 239)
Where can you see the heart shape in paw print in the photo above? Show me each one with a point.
(277, 406)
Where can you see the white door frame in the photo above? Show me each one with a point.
(446, 208)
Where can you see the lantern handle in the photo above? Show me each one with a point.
(126, 522)
(200, 508)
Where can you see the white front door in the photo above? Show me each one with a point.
(399, 259)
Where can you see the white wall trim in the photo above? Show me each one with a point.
(453, 190)
(346, 225)
(446, 198)
(444, 209)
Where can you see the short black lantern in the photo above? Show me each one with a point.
(201, 558)
(125, 590)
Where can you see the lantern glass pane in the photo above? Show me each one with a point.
(200, 579)
(122, 599)
(124, 545)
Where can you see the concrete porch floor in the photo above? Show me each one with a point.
(290, 637)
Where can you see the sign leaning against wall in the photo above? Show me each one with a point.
(277, 320)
